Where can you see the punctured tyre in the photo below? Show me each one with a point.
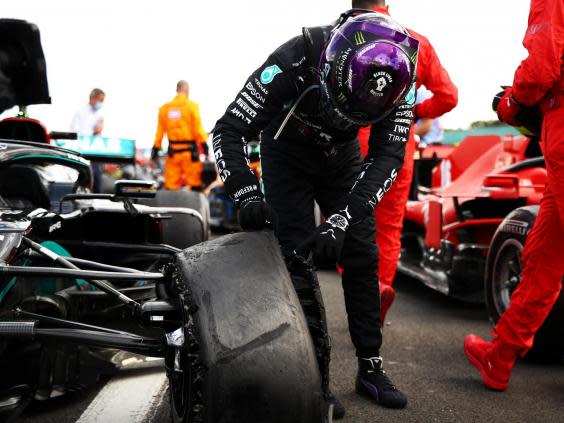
(247, 343)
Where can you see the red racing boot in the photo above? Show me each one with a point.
(387, 295)
(493, 359)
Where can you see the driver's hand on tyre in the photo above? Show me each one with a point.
(326, 242)
(257, 215)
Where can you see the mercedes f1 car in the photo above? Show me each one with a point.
(84, 275)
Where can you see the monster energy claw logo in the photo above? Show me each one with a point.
(359, 38)
(268, 74)
(341, 98)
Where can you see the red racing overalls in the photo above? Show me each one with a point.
(390, 211)
(540, 80)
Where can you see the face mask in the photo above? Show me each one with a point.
(98, 105)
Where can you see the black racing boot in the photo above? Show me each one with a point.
(373, 382)
(338, 409)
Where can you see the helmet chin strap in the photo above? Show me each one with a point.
(293, 108)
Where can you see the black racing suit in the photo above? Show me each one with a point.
(311, 160)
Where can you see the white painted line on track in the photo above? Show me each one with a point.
(129, 397)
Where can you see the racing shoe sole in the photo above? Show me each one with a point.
(490, 383)
(367, 390)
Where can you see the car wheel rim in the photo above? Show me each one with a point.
(180, 383)
(506, 273)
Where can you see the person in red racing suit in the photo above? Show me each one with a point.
(390, 211)
(310, 151)
(539, 80)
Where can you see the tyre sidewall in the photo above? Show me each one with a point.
(513, 230)
(549, 339)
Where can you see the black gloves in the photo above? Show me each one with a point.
(327, 240)
(155, 153)
(256, 215)
(528, 120)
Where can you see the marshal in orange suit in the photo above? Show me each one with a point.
(180, 121)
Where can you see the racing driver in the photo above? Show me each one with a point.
(539, 80)
(309, 99)
(390, 211)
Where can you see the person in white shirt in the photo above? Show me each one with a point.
(88, 121)
(430, 131)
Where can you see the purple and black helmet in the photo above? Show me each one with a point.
(367, 67)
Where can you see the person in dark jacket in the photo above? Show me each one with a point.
(308, 101)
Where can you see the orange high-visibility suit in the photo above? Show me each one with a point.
(180, 120)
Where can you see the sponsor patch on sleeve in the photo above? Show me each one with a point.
(268, 74)
(410, 97)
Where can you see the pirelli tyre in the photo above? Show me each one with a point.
(503, 273)
(181, 230)
(247, 355)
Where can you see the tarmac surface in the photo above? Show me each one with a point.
(423, 355)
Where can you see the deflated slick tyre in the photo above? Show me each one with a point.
(503, 274)
(247, 355)
(180, 230)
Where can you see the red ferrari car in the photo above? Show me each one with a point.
(464, 234)
(448, 230)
